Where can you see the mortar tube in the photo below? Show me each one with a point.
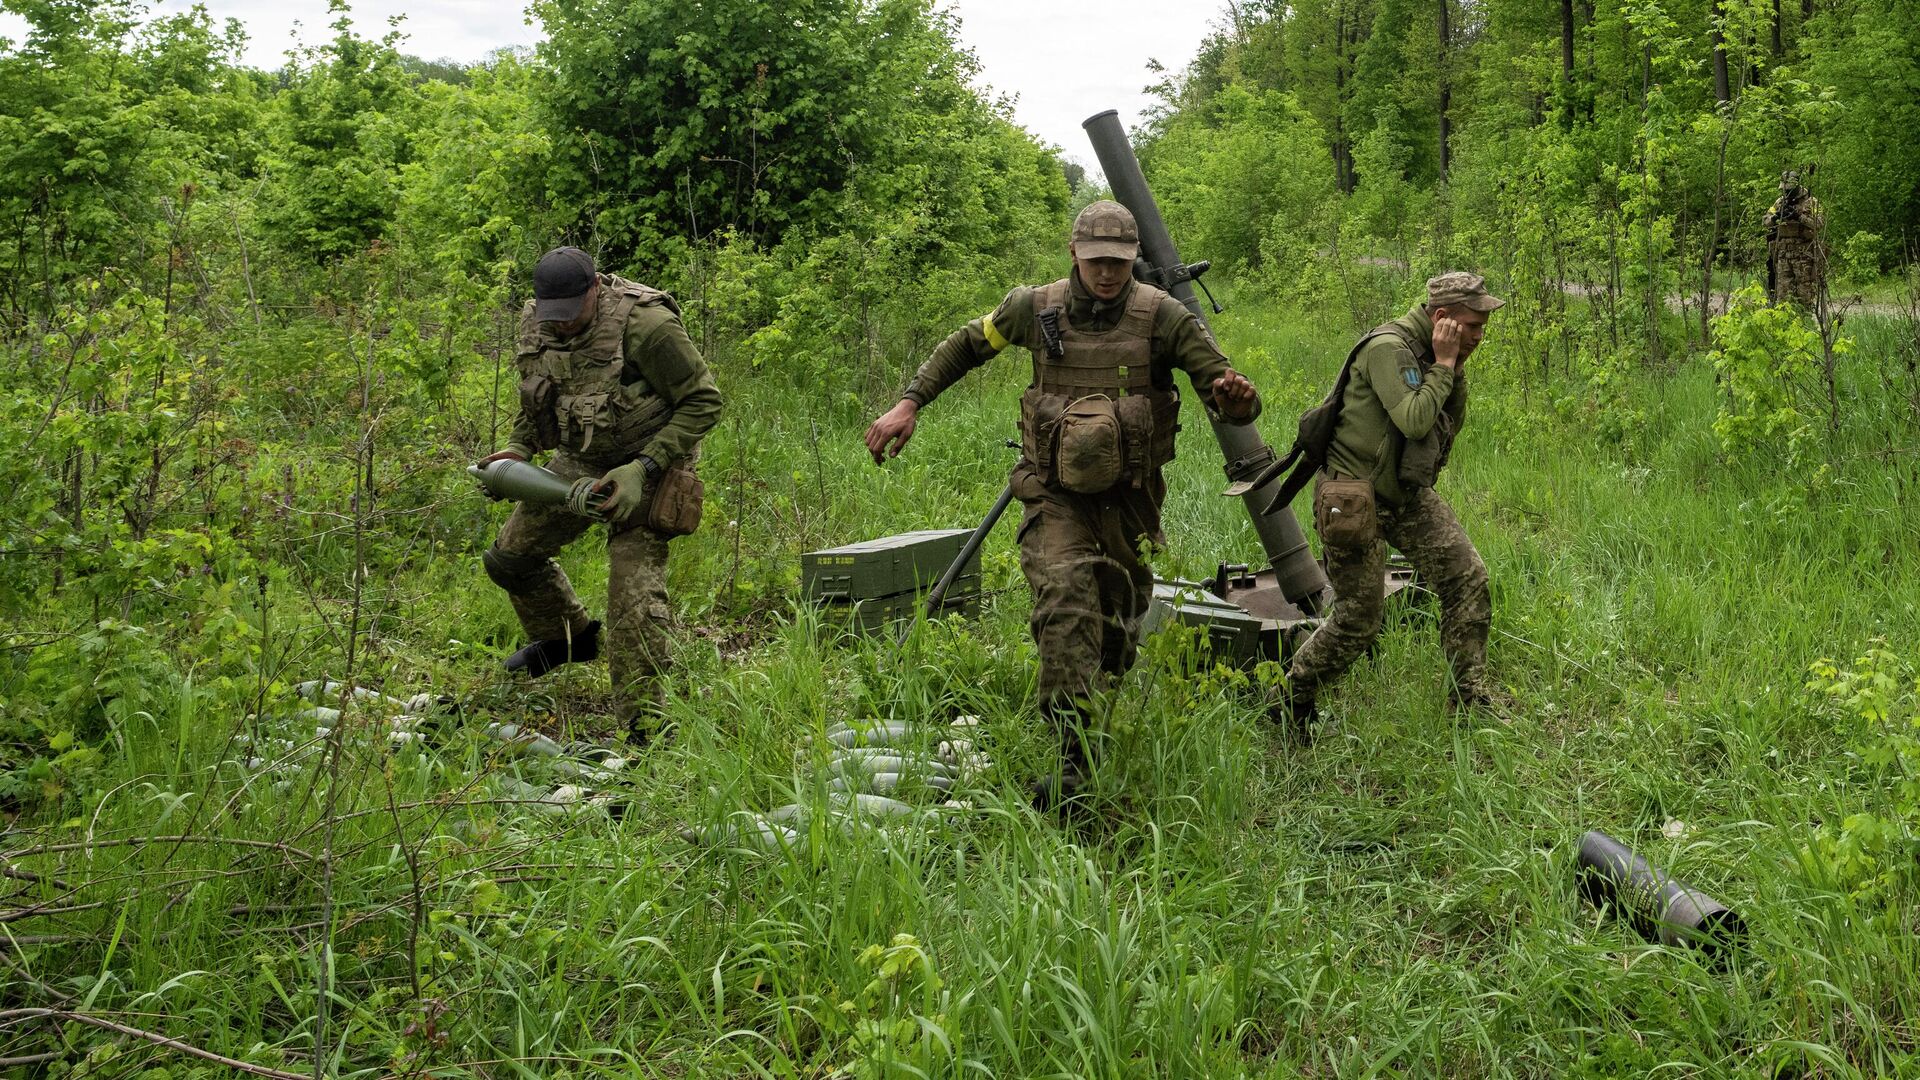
(1301, 579)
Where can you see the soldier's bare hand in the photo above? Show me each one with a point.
(889, 434)
(1446, 341)
(1235, 396)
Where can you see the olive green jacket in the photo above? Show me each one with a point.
(1392, 396)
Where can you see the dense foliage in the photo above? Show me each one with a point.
(252, 323)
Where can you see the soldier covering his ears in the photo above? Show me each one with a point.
(1097, 426)
(610, 382)
(1405, 400)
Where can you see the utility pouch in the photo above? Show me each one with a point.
(587, 413)
(1421, 459)
(1039, 414)
(678, 499)
(1343, 512)
(1089, 452)
(537, 402)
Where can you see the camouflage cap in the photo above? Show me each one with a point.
(1106, 230)
(1461, 289)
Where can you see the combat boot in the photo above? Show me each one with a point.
(1061, 793)
(543, 656)
(1294, 714)
(1465, 702)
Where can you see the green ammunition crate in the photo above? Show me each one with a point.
(888, 567)
(1233, 634)
(868, 615)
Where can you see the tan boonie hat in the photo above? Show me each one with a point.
(1105, 230)
(1461, 289)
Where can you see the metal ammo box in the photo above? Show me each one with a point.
(1233, 634)
(878, 581)
(1244, 615)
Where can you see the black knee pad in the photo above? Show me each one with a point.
(514, 573)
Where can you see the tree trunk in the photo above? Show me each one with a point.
(1721, 92)
(1775, 46)
(1566, 42)
(1342, 154)
(1446, 90)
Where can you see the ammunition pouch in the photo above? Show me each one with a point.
(580, 416)
(1343, 512)
(608, 427)
(1422, 459)
(1092, 443)
(1089, 447)
(512, 572)
(537, 403)
(679, 498)
(1148, 423)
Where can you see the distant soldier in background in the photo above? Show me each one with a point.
(1404, 400)
(1097, 426)
(611, 383)
(1796, 245)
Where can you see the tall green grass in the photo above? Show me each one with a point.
(1396, 899)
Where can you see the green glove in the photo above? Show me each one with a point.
(629, 485)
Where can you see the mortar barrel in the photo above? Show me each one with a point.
(1299, 575)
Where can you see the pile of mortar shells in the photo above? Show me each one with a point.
(868, 764)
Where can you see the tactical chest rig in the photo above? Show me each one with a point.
(580, 392)
(1093, 418)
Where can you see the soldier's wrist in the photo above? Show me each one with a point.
(650, 468)
(521, 450)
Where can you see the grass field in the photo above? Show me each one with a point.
(1397, 899)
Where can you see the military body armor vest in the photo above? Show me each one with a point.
(580, 391)
(1101, 382)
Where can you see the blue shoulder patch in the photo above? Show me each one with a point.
(1412, 375)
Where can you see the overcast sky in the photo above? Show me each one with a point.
(1065, 59)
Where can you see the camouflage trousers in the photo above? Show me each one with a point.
(1427, 533)
(1795, 272)
(1081, 555)
(637, 613)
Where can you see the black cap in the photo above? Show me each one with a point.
(561, 280)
